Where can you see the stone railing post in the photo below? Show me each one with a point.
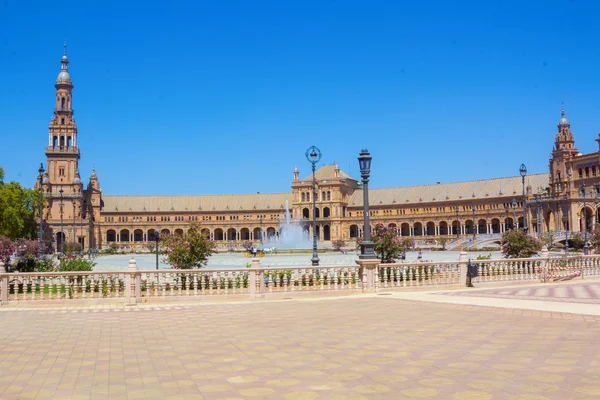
(3, 284)
(544, 264)
(256, 281)
(369, 272)
(132, 283)
(462, 263)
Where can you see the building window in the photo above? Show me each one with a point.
(61, 172)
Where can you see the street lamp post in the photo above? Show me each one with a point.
(586, 248)
(514, 205)
(505, 217)
(523, 172)
(313, 155)
(567, 225)
(91, 227)
(538, 201)
(457, 228)
(74, 238)
(62, 234)
(474, 230)
(367, 247)
(156, 239)
(41, 231)
(260, 233)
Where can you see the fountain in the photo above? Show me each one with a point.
(291, 235)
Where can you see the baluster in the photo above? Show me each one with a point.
(420, 273)
(314, 278)
(193, 282)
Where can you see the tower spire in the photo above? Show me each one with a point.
(65, 46)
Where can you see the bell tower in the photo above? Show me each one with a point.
(62, 184)
(562, 153)
(62, 151)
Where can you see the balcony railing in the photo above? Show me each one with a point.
(133, 285)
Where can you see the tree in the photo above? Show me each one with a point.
(576, 241)
(594, 238)
(190, 250)
(338, 244)
(17, 215)
(517, 244)
(7, 248)
(389, 244)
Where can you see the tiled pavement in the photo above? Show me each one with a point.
(379, 347)
(579, 292)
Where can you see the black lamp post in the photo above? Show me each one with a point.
(457, 227)
(597, 201)
(514, 205)
(62, 235)
(156, 238)
(260, 220)
(505, 217)
(74, 239)
(313, 155)
(538, 201)
(586, 248)
(474, 230)
(41, 231)
(523, 172)
(567, 225)
(91, 227)
(367, 247)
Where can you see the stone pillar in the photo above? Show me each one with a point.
(132, 283)
(3, 284)
(462, 263)
(369, 274)
(256, 281)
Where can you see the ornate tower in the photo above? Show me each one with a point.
(564, 150)
(62, 184)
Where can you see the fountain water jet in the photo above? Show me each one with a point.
(291, 234)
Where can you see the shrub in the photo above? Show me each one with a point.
(190, 250)
(338, 244)
(71, 263)
(518, 244)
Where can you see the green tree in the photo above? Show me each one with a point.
(190, 250)
(576, 241)
(594, 238)
(338, 244)
(17, 210)
(389, 244)
(517, 244)
(1, 175)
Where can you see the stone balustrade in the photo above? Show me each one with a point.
(133, 285)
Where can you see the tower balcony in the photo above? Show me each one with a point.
(61, 150)
(64, 109)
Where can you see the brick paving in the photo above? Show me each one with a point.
(366, 347)
(585, 292)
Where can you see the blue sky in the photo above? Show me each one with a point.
(225, 96)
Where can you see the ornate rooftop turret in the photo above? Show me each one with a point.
(63, 77)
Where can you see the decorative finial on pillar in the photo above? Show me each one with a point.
(65, 46)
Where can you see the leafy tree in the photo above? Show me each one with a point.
(1, 175)
(594, 238)
(7, 249)
(27, 252)
(73, 263)
(548, 239)
(518, 244)
(17, 210)
(338, 244)
(443, 241)
(190, 250)
(389, 244)
(576, 241)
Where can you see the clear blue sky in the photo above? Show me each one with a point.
(225, 96)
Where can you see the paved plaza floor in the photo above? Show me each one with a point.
(375, 346)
